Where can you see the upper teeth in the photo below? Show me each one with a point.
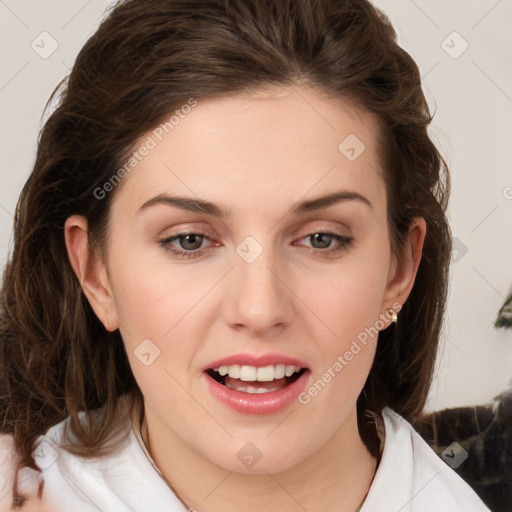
(252, 373)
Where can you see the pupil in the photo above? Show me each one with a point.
(324, 242)
(186, 244)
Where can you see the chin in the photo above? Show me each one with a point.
(259, 458)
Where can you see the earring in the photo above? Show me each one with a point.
(394, 316)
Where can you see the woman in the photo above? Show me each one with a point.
(229, 207)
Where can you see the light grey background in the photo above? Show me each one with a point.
(470, 92)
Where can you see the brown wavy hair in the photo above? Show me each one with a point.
(148, 58)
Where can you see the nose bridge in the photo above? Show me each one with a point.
(258, 297)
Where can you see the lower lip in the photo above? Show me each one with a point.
(257, 403)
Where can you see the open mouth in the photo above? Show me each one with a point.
(252, 379)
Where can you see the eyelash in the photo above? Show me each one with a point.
(344, 241)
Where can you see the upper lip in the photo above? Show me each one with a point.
(259, 361)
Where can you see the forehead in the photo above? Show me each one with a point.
(253, 150)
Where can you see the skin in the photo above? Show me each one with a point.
(257, 154)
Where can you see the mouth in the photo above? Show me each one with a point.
(252, 385)
(256, 380)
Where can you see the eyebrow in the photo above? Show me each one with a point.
(209, 208)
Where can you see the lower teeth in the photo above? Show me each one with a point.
(250, 389)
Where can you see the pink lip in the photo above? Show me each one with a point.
(257, 403)
(258, 361)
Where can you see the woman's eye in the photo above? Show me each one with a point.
(323, 242)
(190, 245)
(186, 245)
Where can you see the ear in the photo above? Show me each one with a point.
(403, 268)
(91, 271)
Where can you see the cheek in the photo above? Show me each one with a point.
(154, 317)
(350, 305)
(151, 299)
(161, 303)
(143, 309)
(351, 299)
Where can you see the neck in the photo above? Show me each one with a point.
(336, 477)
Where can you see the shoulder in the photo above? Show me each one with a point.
(61, 481)
(412, 477)
(7, 468)
(115, 481)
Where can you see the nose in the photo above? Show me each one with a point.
(258, 298)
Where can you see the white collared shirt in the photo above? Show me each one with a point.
(409, 478)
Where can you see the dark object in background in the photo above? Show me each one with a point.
(504, 318)
(485, 433)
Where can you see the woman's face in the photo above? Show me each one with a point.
(252, 291)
